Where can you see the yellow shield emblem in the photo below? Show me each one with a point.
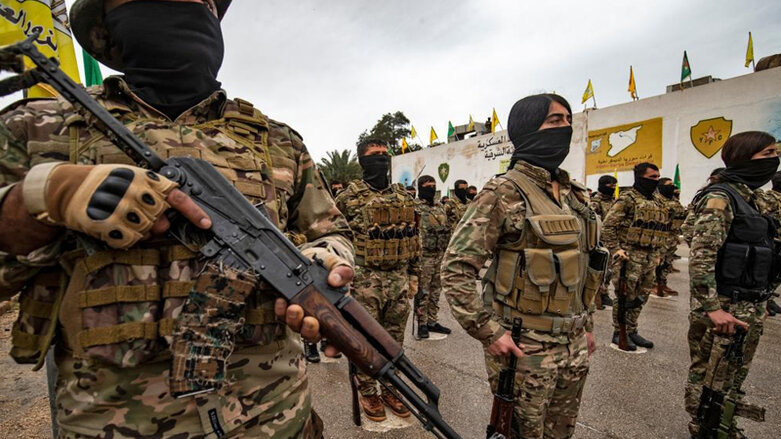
(709, 135)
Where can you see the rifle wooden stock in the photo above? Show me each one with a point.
(502, 412)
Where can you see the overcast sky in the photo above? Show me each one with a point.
(330, 69)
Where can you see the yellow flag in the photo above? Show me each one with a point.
(494, 121)
(588, 94)
(615, 175)
(432, 136)
(750, 50)
(471, 126)
(413, 133)
(20, 18)
(632, 86)
(404, 146)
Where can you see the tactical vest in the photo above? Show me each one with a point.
(539, 275)
(119, 306)
(745, 263)
(434, 228)
(650, 225)
(385, 232)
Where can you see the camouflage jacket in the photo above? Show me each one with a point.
(620, 217)
(455, 210)
(601, 204)
(435, 228)
(352, 204)
(770, 200)
(713, 216)
(497, 213)
(121, 389)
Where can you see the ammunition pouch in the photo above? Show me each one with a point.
(650, 226)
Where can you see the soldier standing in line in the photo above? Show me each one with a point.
(434, 236)
(110, 301)
(456, 204)
(336, 187)
(411, 191)
(677, 214)
(536, 225)
(601, 204)
(387, 257)
(634, 232)
(774, 201)
(471, 193)
(727, 289)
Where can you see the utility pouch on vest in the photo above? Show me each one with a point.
(733, 261)
(34, 328)
(205, 331)
(505, 267)
(595, 274)
(647, 236)
(761, 264)
(541, 271)
(568, 267)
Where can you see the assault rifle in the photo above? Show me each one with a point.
(501, 424)
(244, 238)
(717, 410)
(623, 287)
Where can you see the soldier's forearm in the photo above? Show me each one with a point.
(20, 233)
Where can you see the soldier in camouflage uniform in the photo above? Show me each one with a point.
(434, 235)
(457, 202)
(111, 310)
(727, 291)
(677, 215)
(774, 201)
(634, 232)
(536, 225)
(601, 204)
(387, 249)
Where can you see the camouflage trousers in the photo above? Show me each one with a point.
(665, 267)
(603, 289)
(548, 386)
(640, 275)
(431, 283)
(701, 344)
(384, 294)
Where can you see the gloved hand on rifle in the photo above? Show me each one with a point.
(118, 204)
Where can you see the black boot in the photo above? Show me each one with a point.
(630, 346)
(436, 327)
(422, 331)
(310, 352)
(640, 341)
(606, 300)
(323, 344)
(773, 308)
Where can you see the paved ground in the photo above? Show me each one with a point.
(626, 396)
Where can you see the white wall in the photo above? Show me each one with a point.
(750, 102)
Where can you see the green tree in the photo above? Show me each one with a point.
(391, 127)
(342, 166)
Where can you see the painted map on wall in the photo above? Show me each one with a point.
(620, 148)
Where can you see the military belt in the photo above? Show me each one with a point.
(554, 325)
(737, 295)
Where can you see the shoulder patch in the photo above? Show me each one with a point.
(717, 203)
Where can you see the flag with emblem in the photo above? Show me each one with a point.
(18, 19)
(412, 132)
(750, 51)
(92, 75)
(615, 175)
(404, 146)
(471, 126)
(588, 93)
(450, 129)
(677, 178)
(494, 121)
(632, 86)
(686, 70)
(432, 137)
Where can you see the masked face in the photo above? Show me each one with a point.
(667, 190)
(427, 193)
(753, 173)
(171, 51)
(545, 148)
(461, 194)
(375, 170)
(471, 195)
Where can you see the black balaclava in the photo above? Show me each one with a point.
(603, 183)
(471, 195)
(171, 52)
(375, 170)
(427, 193)
(460, 193)
(645, 186)
(546, 148)
(752, 173)
(667, 190)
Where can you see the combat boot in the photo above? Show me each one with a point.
(422, 331)
(669, 290)
(598, 302)
(640, 341)
(630, 345)
(436, 327)
(606, 300)
(394, 404)
(310, 352)
(773, 308)
(659, 291)
(373, 408)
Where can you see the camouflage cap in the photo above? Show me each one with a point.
(86, 18)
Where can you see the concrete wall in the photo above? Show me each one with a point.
(750, 102)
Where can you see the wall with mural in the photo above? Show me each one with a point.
(685, 128)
